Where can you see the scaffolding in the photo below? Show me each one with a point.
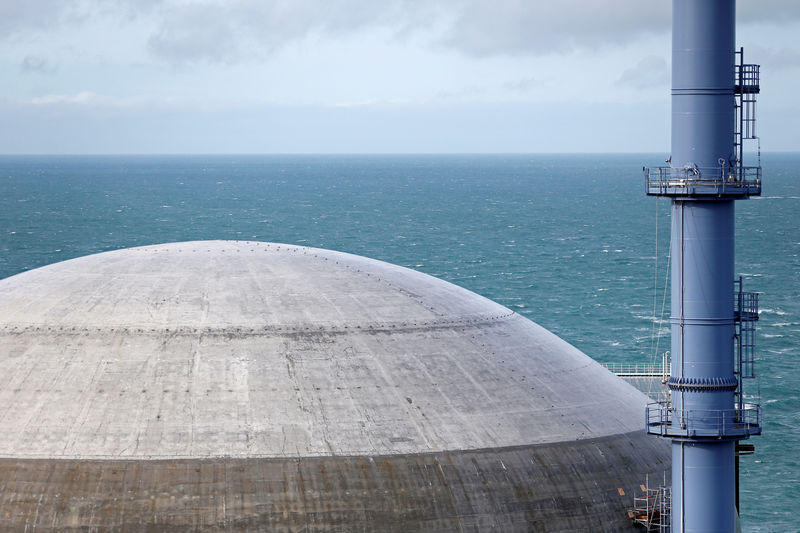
(652, 507)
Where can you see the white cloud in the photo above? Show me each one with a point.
(81, 98)
(484, 28)
(228, 31)
(89, 99)
(353, 59)
(20, 15)
(26, 16)
(215, 31)
(195, 32)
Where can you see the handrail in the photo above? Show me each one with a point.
(665, 420)
(747, 305)
(643, 369)
(747, 78)
(718, 174)
(721, 180)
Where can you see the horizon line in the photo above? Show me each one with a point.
(332, 154)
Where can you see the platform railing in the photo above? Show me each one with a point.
(747, 78)
(638, 369)
(664, 420)
(746, 305)
(723, 180)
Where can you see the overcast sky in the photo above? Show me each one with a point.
(362, 76)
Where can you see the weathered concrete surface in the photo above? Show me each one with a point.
(246, 349)
(564, 487)
(148, 388)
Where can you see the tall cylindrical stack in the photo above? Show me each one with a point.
(703, 181)
(703, 42)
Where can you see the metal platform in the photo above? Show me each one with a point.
(665, 421)
(721, 182)
(648, 378)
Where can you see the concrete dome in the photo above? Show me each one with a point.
(253, 386)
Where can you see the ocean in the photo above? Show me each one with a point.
(570, 241)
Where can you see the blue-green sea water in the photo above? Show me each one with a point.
(570, 241)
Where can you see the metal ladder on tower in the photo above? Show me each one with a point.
(746, 87)
(745, 317)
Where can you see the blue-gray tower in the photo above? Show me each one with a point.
(713, 103)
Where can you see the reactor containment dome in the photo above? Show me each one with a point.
(247, 386)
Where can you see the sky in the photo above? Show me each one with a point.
(363, 76)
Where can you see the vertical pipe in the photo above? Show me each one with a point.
(736, 475)
(702, 376)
